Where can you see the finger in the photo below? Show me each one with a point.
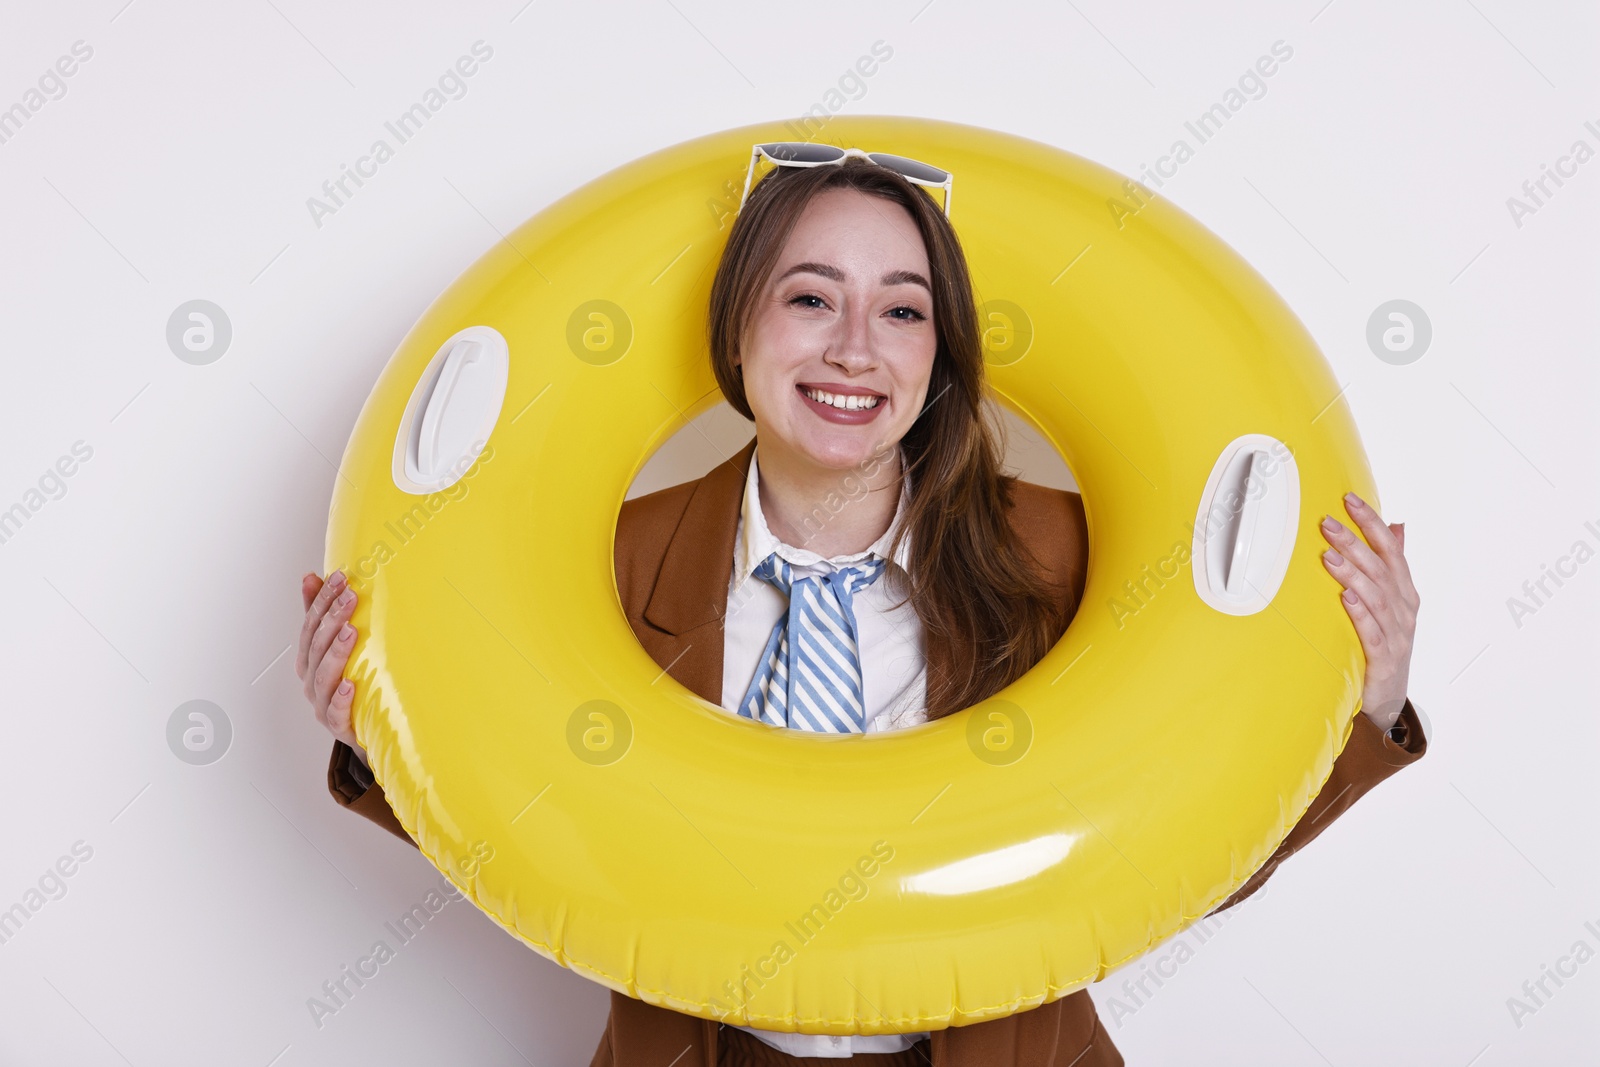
(1369, 522)
(339, 704)
(310, 585)
(1380, 538)
(1408, 590)
(337, 615)
(1353, 548)
(1373, 641)
(1372, 598)
(1391, 573)
(314, 613)
(1384, 660)
(330, 671)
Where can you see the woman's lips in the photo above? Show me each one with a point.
(842, 415)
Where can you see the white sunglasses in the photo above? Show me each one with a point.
(806, 154)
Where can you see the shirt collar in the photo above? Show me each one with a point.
(757, 541)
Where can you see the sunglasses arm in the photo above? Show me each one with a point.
(755, 154)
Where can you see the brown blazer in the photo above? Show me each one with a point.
(674, 553)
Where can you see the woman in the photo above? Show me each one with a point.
(842, 324)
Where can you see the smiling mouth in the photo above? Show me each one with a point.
(843, 403)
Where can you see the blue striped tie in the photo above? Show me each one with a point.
(809, 676)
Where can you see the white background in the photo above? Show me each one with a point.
(177, 166)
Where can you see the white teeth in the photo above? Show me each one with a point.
(848, 403)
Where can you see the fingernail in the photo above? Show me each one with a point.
(346, 632)
(346, 598)
(1349, 596)
(1357, 501)
(345, 687)
(336, 579)
(1330, 523)
(1333, 557)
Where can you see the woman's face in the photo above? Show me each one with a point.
(846, 311)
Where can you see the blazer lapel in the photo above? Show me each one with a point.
(691, 590)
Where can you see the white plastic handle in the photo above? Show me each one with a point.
(453, 409)
(1246, 524)
(1244, 529)
(462, 353)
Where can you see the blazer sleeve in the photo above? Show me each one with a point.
(1371, 755)
(352, 786)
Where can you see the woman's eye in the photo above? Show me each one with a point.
(914, 316)
(808, 296)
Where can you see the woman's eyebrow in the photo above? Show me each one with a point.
(832, 273)
(906, 277)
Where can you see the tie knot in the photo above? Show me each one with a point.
(845, 581)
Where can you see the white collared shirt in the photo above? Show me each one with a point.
(893, 670)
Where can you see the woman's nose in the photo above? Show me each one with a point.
(852, 342)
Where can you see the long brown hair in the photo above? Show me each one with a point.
(973, 585)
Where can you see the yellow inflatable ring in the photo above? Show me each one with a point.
(964, 869)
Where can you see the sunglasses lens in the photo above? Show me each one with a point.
(910, 167)
(801, 152)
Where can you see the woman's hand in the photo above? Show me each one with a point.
(1380, 600)
(326, 639)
